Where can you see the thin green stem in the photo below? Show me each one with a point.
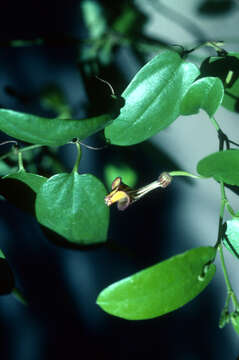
(215, 123)
(185, 173)
(227, 281)
(76, 166)
(20, 162)
(26, 148)
(31, 147)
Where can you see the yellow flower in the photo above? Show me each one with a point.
(124, 195)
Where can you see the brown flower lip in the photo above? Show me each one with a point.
(124, 195)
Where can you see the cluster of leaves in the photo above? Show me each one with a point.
(72, 204)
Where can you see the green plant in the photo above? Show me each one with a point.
(75, 206)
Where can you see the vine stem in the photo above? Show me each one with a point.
(20, 161)
(26, 148)
(76, 166)
(215, 123)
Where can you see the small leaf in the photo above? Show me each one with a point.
(235, 321)
(161, 288)
(52, 132)
(222, 166)
(152, 99)
(73, 206)
(34, 181)
(5, 168)
(19, 296)
(94, 18)
(206, 93)
(231, 240)
(127, 173)
(227, 69)
(6, 276)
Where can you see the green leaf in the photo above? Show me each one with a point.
(52, 132)
(34, 181)
(161, 288)
(206, 93)
(6, 276)
(222, 166)
(52, 98)
(227, 69)
(19, 296)
(231, 240)
(94, 18)
(235, 321)
(127, 173)
(152, 99)
(73, 206)
(5, 168)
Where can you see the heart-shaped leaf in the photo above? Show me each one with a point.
(73, 206)
(52, 132)
(152, 99)
(6, 276)
(206, 93)
(222, 166)
(161, 288)
(34, 181)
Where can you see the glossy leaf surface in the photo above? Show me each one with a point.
(152, 99)
(34, 181)
(231, 242)
(206, 93)
(161, 288)
(222, 166)
(52, 132)
(73, 206)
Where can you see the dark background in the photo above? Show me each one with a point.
(60, 284)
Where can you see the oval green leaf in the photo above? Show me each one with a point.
(222, 166)
(152, 99)
(231, 240)
(161, 288)
(52, 132)
(206, 93)
(34, 181)
(73, 206)
(6, 276)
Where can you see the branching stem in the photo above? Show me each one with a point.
(26, 148)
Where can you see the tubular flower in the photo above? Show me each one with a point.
(124, 195)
